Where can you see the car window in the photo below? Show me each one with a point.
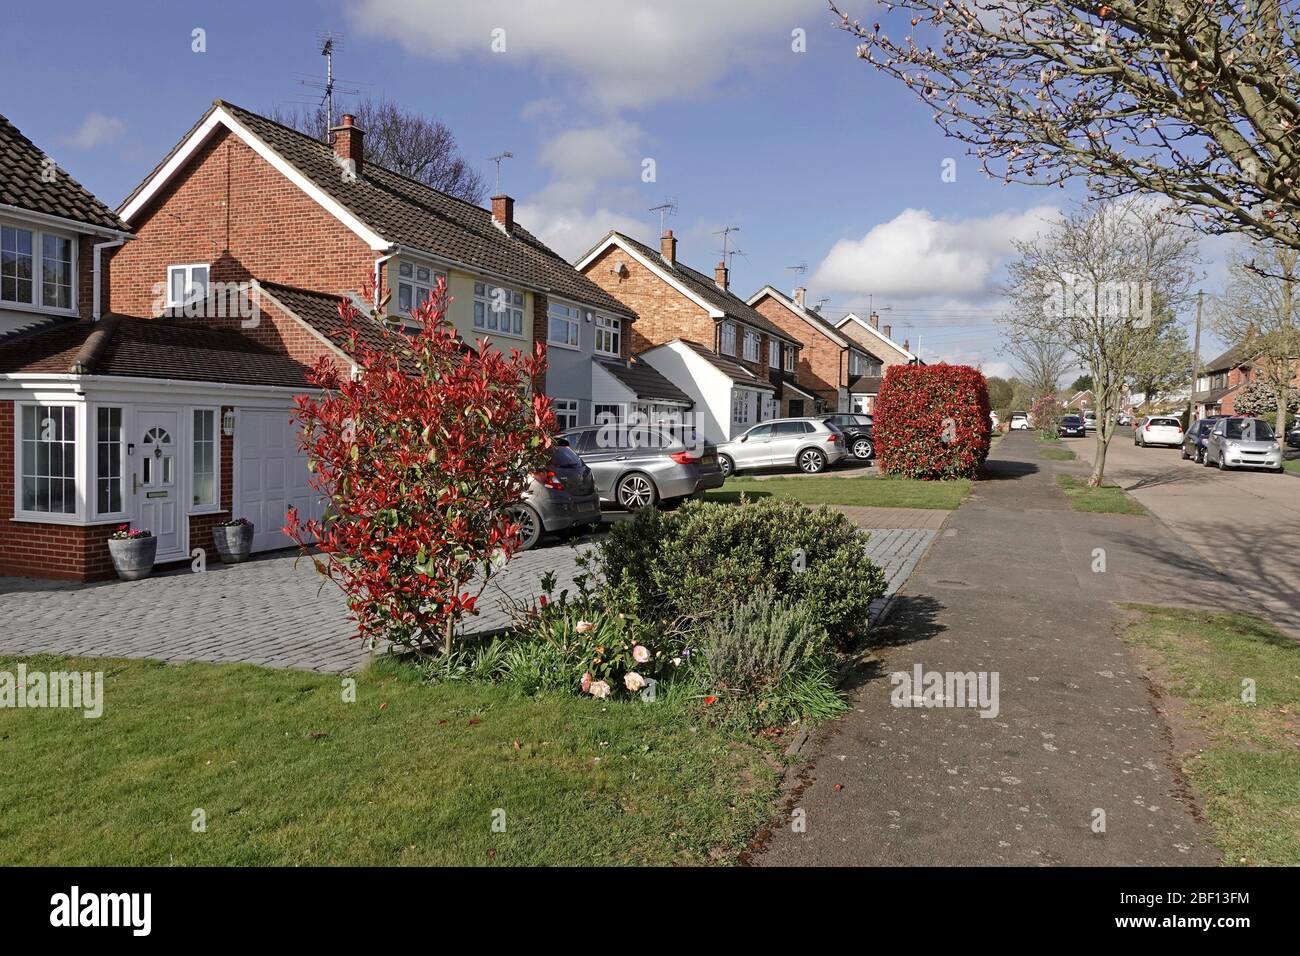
(790, 428)
(760, 431)
(562, 457)
(580, 440)
(1248, 429)
(1165, 423)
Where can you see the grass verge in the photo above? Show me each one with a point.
(1292, 465)
(287, 773)
(1110, 499)
(1057, 454)
(877, 492)
(1247, 769)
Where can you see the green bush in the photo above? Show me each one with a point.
(704, 559)
(761, 642)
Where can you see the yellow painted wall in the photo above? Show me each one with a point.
(460, 311)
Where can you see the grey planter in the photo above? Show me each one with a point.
(133, 557)
(233, 542)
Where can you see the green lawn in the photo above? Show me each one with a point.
(879, 492)
(1248, 770)
(1108, 498)
(1056, 454)
(1292, 464)
(409, 774)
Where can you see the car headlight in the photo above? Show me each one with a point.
(1275, 447)
(1231, 444)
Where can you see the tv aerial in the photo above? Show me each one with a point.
(666, 208)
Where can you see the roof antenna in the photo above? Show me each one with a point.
(666, 208)
(497, 159)
(329, 42)
(732, 255)
(821, 302)
(725, 232)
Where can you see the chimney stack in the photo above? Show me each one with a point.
(668, 247)
(347, 143)
(874, 320)
(503, 213)
(720, 275)
(800, 293)
(887, 330)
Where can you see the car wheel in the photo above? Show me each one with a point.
(1182, 452)
(1218, 462)
(727, 466)
(635, 491)
(530, 525)
(862, 449)
(811, 461)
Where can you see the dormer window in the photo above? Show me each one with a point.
(415, 284)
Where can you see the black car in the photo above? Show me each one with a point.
(859, 433)
(1194, 439)
(1072, 426)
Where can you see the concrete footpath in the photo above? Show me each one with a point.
(1010, 589)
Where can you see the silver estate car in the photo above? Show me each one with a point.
(637, 466)
(810, 444)
(563, 495)
(1243, 442)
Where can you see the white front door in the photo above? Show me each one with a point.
(154, 480)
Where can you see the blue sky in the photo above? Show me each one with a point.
(815, 158)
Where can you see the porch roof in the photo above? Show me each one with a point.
(121, 345)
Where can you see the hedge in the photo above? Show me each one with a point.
(932, 421)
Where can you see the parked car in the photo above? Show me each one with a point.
(1071, 426)
(1124, 419)
(1243, 442)
(635, 467)
(1090, 421)
(1020, 421)
(1293, 436)
(1195, 437)
(1158, 430)
(809, 444)
(562, 495)
(859, 432)
(994, 420)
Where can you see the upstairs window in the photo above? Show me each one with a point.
(498, 309)
(751, 345)
(727, 339)
(609, 335)
(415, 284)
(773, 353)
(789, 358)
(186, 283)
(563, 323)
(37, 269)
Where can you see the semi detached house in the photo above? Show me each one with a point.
(135, 389)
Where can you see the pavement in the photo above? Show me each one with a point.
(1075, 767)
(1245, 523)
(274, 612)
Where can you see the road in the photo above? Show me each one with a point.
(1244, 523)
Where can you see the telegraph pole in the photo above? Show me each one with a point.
(1196, 358)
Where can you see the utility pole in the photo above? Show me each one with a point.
(1196, 358)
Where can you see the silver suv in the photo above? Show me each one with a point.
(638, 465)
(810, 444)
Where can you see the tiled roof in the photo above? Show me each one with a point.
(865, 385)
(320, 310)
(1235, 356)
(733, 370)
(412, 214)
(150, 348)
(22, 164)
(645, 382)
(727, 301)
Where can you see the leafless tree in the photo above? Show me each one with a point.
(1107, 281)
(1198, 101)
(1039, 359)
(1260, 312)
(419, 147)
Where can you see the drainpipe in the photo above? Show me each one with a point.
(379, 262)
(95, 298)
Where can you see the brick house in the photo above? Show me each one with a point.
(737, 366)
(843, 374)
(1222, 380)
(163, 399)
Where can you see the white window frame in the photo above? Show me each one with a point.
(188, 269)
(741, 407)
(571, 316)
(567, 407)
(752, 338)
(609, 330)
(38, 291)
(596, 411)
(773, 354)
(77, 516)
(92, 497)
(415, 287)
(727, 339)
(215, 506)
(516, 301)
(789, 358)
(860, 404)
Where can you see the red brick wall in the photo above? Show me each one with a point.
(662, 313)
(820, 364)
(233, 210)
(45, 550)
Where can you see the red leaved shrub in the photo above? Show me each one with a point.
(932, 421)
(419, 455)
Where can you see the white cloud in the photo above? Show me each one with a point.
(621, 52)
(916, 255)
(570, 231)
(95, 130)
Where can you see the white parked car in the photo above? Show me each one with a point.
(1159, 430)
(810, 444)
(1020, 421)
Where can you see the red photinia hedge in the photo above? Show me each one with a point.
(932, 421)
(419, 455)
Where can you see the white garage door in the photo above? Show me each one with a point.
(272, 476)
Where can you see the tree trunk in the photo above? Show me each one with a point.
(450, 631)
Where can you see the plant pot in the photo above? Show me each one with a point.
(133, 557)
(233, 542)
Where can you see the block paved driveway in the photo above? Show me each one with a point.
(273, 611)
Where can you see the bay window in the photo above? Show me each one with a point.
(37, 268)
(109, 468)
(48, 465)
(609, 333)
(563, 323)
(498, 309)
(203, 488)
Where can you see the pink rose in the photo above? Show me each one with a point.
(585, 627)
(586, 683)
(599, 689)
(633, 681)
(640, 654)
